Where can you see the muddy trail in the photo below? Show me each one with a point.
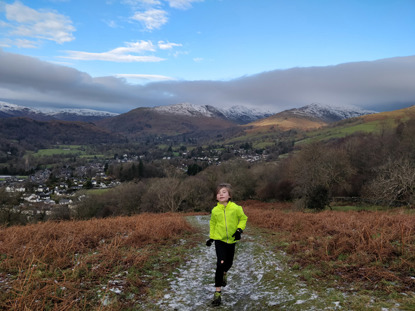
(258, 280)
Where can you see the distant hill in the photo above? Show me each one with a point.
(308, 117)
(84, 115)
(193, 121)
(237, 114)
(8, 110)
(153, 121)
(327, 113)
(395, 115)
(369, 123)
(54, 132)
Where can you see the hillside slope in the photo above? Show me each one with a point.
(307, 118)
(8, 110)
(371, 123)
(53, 132)
(148, 121)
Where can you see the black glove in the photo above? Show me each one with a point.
(209, 242)
(237, 234)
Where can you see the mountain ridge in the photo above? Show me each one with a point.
(238, 114)
(186, 118)
(149, 121)
(308, 117)
(8, 110)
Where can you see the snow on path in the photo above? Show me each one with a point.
(192, 285)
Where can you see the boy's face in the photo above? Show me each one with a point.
(223, 195)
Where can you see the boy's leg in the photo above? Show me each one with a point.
(230, 253)
(224, 253)
(221, 251)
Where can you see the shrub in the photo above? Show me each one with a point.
(318, 198)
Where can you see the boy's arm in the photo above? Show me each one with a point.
(211, 225)
(211, 228)
(242, 219)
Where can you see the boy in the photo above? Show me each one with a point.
(227, 222)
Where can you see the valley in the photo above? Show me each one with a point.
(59, 162)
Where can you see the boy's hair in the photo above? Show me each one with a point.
(227, 186)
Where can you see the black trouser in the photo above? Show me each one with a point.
(225, 253)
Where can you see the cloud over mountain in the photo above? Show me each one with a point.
(378, 85)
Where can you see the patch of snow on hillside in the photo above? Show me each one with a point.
(83, 112)
(185, 109)
(12, 108)
(234, 113)
(238, 112)
(322, 111)
(7, 107)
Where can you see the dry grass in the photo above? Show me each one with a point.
(76, 265)
(60, 266)
(377, 248)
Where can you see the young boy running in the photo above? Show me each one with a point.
(227, 222)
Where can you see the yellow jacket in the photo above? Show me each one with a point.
(224, 221)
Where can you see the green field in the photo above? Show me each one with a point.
(19, 177)
(386, 121)
(59, 150)
(96, 191)
(328, 133)
(67, 150)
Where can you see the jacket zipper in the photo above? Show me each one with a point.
(226, 225)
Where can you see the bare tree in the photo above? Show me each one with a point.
(198, 195)
(320, 168)
(395, 183)
(10, 212)
(163, 195)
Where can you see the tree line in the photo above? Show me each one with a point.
(378, 168)
(375, 168)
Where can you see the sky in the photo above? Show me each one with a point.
(266, 54)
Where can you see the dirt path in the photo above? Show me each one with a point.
(258, 280)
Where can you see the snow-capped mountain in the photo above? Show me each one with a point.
(235, 114)
(8, 110)
(328, 113)
(238, 114)
(187, 109)
(86, 115)
(243, 115)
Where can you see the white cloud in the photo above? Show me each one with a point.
(23, 43)
(120, 54)
(152, 13)
(151, 19)
(42, 24)
(3, 24)
(167, 45)
(182, 4)
(111, 24)
(136, 3)
(198, 59)
(144, 77)
(111, 57)
(135, 47)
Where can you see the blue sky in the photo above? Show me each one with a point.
(211, 40)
